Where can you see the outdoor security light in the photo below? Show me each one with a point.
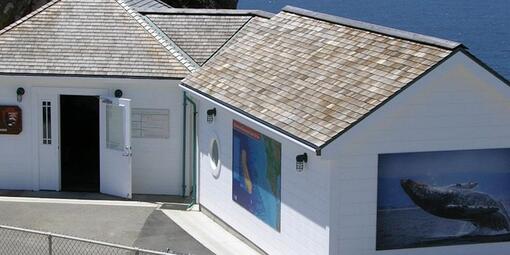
(118, 93)
(211, 113)
(301, 160)
(20, 92)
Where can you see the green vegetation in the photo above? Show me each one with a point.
(12, 10)
(274, 164)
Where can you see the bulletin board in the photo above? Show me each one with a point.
(10, 120)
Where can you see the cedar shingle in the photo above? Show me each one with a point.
(86, 37)
(147, 4)
(199, 35)
(309, 77)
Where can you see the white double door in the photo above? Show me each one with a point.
(114, 146)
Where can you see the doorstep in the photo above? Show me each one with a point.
(163, 201)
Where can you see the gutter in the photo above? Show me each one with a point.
(187, 100)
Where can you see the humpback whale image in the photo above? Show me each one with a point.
(460, 202)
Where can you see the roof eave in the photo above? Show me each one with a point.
(189, 11)
(111, 76)
(300, 140)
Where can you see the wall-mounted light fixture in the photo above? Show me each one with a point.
(118, 93)
(211, 113)
(301, 160)
(19, 94)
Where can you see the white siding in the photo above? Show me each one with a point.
(156, 162)
(457, 106)
(16, 150)
(305, 195)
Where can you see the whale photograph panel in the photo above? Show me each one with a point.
(439, 198)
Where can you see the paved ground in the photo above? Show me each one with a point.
(141, 225)
(90, 196)
(209, 233)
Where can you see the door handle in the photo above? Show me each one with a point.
(127, 151)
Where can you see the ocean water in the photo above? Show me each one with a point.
(483, 26)
(413, 228)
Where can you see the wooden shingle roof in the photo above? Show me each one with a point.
(89, 37)
(312, 76)
(147, 4)
(200, 33)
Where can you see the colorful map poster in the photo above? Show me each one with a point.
(256, 166)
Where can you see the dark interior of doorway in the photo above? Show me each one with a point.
(79, 138)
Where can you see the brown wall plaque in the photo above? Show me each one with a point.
(10, 120)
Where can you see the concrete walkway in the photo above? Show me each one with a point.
(161, 234)
(123, 222)
(209, 233)
(101, 217)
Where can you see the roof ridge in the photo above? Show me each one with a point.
(193, 11)
(402, 34)
(163, 3)
(28, 16)
(170, 41)
(176, 51)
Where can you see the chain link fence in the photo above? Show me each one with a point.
(19, 241)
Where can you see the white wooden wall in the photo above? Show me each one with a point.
(16, 153)
(457, 106)
(304, 196)
(156, 162)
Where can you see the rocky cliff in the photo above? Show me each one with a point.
(12, 10)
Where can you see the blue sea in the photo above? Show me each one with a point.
(483, 26)
(413, 227)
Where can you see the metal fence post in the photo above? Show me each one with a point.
(50, 244)
(137, 251)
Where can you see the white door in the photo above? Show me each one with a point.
(48, 127)
(115, 147)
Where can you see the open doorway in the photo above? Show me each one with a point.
(79, 143)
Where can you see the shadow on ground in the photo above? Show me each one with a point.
(162, 234)
(139, 225)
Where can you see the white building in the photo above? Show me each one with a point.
(71, 58)
(383, 116)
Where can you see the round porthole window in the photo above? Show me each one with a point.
(214, 156)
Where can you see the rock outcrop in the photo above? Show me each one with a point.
(12, 10)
